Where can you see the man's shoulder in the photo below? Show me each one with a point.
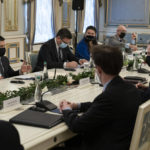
(4, 58)
(113, 37)
(47, 44)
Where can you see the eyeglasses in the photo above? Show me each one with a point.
(64, 41)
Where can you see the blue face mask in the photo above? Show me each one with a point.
(63, 45)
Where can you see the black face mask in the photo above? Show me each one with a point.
(122, 35)
(90, 38)
(2, 52)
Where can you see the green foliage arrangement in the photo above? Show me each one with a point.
(28, 92)
(84, 74)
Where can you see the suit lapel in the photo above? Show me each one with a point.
(54, 50)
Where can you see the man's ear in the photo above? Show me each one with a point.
(99, 69)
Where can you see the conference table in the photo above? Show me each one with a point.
(35, 138)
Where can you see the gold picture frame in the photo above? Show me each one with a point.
(11, 15)
(16, 47)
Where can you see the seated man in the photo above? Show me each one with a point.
(107, 123)
(9, 137)
(119, 41)
(148, 54)
(56, 52)
(85, 45)
(145, 91)
(5, 68)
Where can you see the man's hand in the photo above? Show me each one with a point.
(25, 67)
(66, 104)
(72, 64)
(82, 61)
(1, 77)
(133, 36)
(133, 47)
(141, 86)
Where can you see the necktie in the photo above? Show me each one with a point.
(59, 54)
(1, 68)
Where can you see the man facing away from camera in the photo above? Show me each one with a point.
(107, 123)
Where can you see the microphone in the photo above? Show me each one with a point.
(54, 74)
(45, 104)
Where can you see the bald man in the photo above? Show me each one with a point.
(119, 41)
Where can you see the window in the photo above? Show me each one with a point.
(44, 23)
(89, 14)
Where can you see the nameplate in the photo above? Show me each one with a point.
(84, 81)
(11, 103)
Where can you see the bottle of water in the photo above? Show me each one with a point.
(135, 63)
(91, 62)
(45, 72)
(38, 91)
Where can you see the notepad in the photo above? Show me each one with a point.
(37, 119)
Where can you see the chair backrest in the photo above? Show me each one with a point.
(141, 134)
(33, 59)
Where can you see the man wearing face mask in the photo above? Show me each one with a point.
(119, 41)
(84, 47)
(107, 123)
(56, 52)
(5, 68)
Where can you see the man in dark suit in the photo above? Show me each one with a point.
(9, 137)
(107, 123)
(56, 52)
(5, 68)
(148, 54)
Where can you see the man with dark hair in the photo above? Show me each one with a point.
(84, 47)
(56, 52)
(5, 68)
(107, 123)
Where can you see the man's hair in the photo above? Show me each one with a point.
(109, 58)
(64, 33)
(2, 38)
(91, 28)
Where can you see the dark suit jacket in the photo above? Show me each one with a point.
(8, 71)
(148, 60)
(108, 121)
(48, 53)
(9, 137)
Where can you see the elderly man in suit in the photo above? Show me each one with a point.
(119, 41)
(107, 123)
(5, 69)
(56, 52)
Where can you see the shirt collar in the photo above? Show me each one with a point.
(57, 47)
(105, 85)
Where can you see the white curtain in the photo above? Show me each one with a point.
(0, 16)
(89, 18)
(44, 21)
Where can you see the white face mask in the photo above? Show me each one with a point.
(63, 45)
